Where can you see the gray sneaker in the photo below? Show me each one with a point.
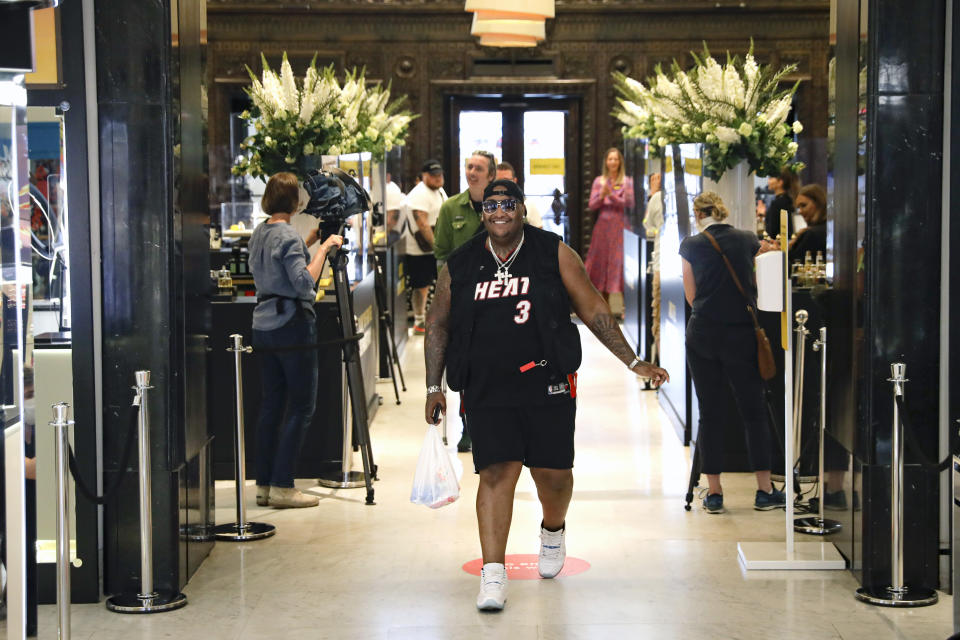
(767, 501)
(713, 503)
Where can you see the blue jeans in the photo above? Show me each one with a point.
(289, 381)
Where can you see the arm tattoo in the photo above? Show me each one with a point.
(605, 327)
(435, 342)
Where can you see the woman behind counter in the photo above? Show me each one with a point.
(812, 205)
(611, 194)
(784, 187)
(285, 278)
(722, 347)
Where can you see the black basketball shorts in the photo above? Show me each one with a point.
(537, 436)
(421, 269)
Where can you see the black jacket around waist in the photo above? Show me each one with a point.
(561, 339)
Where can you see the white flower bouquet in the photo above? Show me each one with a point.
(736, 110)
(295, 120)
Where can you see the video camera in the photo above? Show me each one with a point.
(335, 195)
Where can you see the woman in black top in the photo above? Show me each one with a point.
(722, 347)
(812, 205)
(784, 187)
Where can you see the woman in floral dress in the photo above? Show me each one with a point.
(611, 194)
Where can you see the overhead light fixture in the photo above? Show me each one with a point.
(524, 29)
(512, 9)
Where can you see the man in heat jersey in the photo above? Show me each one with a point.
(500, 325)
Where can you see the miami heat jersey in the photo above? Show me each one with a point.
(507, 366)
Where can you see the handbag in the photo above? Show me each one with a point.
(765, 362)
(425, 245)
(422, 242)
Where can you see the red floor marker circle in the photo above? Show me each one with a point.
(523, 566)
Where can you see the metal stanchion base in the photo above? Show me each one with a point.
(817, 526)
(250, 531)
(908, 597)
(341, 480)
(155, 603)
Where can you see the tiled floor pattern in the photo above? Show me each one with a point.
(392, 571)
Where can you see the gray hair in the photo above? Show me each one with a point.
(491, 160)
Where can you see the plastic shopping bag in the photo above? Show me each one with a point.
(435, 482)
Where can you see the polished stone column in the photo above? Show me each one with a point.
(153, 212)
(902, 276)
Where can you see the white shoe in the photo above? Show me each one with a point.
(493, 587)
(292, 498)
(553, 552)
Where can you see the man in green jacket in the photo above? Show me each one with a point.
(459, 216)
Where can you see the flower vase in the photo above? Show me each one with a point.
(306, 164)
(736, 187)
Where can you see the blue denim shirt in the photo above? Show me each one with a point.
(278, 261)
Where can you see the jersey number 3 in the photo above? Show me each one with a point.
(523, 312)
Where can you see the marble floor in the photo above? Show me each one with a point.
(393, 571)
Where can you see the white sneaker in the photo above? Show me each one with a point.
(553, 551)
(493, 587)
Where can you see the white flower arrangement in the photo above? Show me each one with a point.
(295, 119)
(736, 110)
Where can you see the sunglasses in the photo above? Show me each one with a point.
(507, 206)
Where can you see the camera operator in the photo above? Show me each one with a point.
(285, 277)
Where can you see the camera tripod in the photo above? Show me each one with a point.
(386, 324)
(357, 395)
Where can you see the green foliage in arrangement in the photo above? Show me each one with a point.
(737, 110)
(296, 120)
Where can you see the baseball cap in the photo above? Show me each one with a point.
(432, 166)
(503, 187)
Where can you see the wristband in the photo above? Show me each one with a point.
(635, 362)
(434, 388)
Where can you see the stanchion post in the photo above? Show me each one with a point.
(800, 344)
(62, 463)
(897, 594)
(241, 530)
(149, 599)
(819, 525)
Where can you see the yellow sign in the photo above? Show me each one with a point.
(350, 165)
(694, 166)
(668, 165)
(46, 51)
(365, 319)
(546, 166)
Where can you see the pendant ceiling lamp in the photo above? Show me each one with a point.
(506, 9)
(524, 29)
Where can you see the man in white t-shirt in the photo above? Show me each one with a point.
(505, 171)
(393, 205)
(420, 210)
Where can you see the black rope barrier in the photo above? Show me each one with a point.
(313, 345)
(914, 443)
(125, 462)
